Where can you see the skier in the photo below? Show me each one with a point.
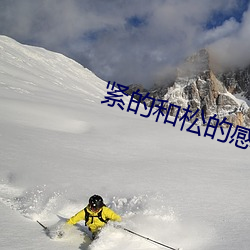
(95, 214)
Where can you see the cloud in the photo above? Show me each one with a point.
(228, 28)
(125, 41)
(233, 49)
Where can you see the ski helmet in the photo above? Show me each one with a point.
(95, 202)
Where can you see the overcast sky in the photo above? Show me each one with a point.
(131, 41)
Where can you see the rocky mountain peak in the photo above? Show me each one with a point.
(197, 64)
(198, 86)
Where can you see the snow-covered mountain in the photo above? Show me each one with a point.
(200, 85)
(59, 145)
(197, 85)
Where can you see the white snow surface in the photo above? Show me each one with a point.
(60, 145)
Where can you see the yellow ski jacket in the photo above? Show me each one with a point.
(94, 223)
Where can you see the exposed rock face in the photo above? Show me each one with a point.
(203, 90)
(198, 86)
(237, 81)
(134, 87)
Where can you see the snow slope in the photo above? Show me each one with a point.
(59, 145)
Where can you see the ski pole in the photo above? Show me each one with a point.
(146, 238)
(45, 228)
